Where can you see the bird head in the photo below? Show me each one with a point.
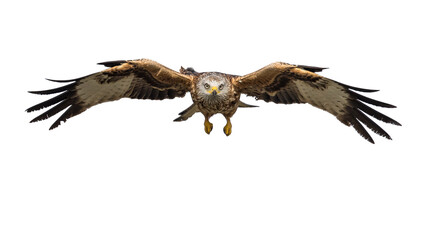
(213, 86)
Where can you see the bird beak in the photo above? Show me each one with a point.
(214, 91)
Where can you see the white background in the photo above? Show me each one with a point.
(124, 170)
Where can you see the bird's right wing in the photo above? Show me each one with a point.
(140, 79)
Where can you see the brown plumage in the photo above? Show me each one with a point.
(214, 92)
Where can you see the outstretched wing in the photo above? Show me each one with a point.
(286, 83)
(140, 79)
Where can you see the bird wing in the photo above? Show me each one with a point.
(138, 79)
(286, 83)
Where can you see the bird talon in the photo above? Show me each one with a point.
(227, 129)
(208, 126)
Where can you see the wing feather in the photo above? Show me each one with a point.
(112, 63)
(371, 101)
(360, 129)
(139, 79)
(369, 123)
(54, 90)
(374, 113)
(286, 83)
(52, 111)
(50, 101)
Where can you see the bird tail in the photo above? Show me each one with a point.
(245, 105)
(187, 113)
(191, 110)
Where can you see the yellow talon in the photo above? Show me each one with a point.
(228, 128)
(208, 126)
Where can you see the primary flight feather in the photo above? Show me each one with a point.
(214, 92)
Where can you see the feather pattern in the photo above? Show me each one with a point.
(280, 83)
(140, 79)
(285, 83)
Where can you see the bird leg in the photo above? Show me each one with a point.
(208, 126)
(228, 127)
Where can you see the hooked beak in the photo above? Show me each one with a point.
(214, 91)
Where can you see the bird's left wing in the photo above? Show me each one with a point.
(286, 83)
(140, 79)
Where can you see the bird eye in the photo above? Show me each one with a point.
(221, 86)
(206, 85)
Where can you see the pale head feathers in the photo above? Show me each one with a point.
(213, 86)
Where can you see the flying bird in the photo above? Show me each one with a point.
(215, 92)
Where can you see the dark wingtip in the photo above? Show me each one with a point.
(112, 63)
(54, 90)
(312, 68)
(43, 92)
(70, 80)
(371, 101)
(39, 118)
(355, 88)
(320, 69)
(31, 109)
(368, 138)
(55, 125)
(61, 81)
(179, 119)
(361, 89)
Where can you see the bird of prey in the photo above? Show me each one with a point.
(215, 92)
